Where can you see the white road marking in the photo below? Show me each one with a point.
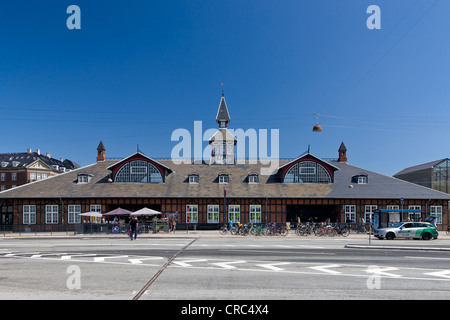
(381, 271)
(442, 273)
(102, 259)
(272, 266)
(185, 263)
(139, 260)
(226, 265)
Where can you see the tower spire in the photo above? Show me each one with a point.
(223, 117)
(342, 153)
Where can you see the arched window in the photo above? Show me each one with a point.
(139, 171)
(307, 172)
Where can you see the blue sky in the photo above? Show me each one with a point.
(138, 70)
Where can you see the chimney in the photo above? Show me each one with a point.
(38, 151)
(48, 155)
(342, 153)
(101, 152)
(29, 150)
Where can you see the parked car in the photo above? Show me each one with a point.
(409, 230)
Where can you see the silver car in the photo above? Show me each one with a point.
(409, 230)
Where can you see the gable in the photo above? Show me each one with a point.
(163, 170)
(330, 169)
(39, 164)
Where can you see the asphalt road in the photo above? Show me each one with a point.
(220, 269)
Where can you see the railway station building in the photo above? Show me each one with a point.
(214, 191)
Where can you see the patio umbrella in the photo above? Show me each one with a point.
(145, 212)
(90, 214)
(118, 212)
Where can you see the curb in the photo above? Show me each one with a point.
(357, 246)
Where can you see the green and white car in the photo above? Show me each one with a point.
(409, 230)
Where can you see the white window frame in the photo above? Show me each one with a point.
(29, 214)
(82, 178)
(51, 214)
(350, 213)
(213, 213)
(224, 178)
(362, 179)
(13, 176)
(194, 178)
(368, 212)
(234, 212)
(253, 178)
(255, 213)
(3, 177)
(96, 208)
(436, 211)
(414, 216)
(192, 213)
(73, 213)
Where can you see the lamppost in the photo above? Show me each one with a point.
(225, 220)
(402, 201)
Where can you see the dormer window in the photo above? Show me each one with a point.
(193, 177)
(84, 177)
(253, 178)
(361, 178)
(224, 178)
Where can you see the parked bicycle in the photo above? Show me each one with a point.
(257, 230)
(305, 229)
(324, 230)
(342, 231)
(224, 229)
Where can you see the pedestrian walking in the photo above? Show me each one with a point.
(133, 228)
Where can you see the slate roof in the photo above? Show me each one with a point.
(23, 159)
(222, 112)
(176, 186)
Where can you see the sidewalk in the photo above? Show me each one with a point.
(441, 244)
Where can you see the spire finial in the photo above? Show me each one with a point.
(223, 88)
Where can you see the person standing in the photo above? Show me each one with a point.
(133, 228)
